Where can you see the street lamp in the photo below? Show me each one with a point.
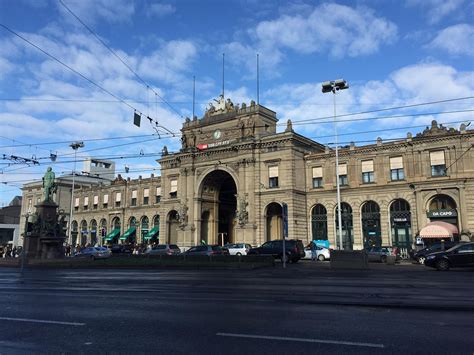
(75, 146)
(333, 86)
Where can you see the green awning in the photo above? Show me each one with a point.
(112, 234)
(128, 233)
(152, 233)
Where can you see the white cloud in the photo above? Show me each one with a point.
(160, 10)
(91, 11)
(330, 28)
(167, 62)
(5, 68)
(436, 10)
(456, 40)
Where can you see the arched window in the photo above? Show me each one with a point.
(84, 233)
(400, 221)
(93, 229)
(347, 226)
(442, 202)
(371, 229)
(319, 223)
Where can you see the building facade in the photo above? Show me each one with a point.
(234, 171)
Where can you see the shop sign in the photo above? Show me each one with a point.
(442, 213)
(400, 219)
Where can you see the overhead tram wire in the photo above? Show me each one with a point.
(77, 73)
(118, 57)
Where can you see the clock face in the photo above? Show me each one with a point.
(217, 134)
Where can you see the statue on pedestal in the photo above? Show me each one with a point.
(49, 186)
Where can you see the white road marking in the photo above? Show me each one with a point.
(305, 340)
(41, 321)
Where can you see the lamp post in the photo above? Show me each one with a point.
(334, 86)
(75, 146)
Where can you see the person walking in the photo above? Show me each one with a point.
(313, 251)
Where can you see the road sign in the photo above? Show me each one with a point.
(285, 219)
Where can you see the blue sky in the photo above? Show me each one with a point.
(392, 53)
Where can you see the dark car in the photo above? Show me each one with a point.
(461, 255)
(294, 249)
(381, 253)
(209, 250)
(420, 255)
(121, 249)
(164, 249)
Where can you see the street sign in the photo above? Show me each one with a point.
(285, 219)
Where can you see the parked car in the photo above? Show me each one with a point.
(238, 248)
(322, 253)
(294, 250)
(94, 253)
(381, 253)
(209, 250)
(121, 249)
(461, 255)
(164, 249)
(420, 255)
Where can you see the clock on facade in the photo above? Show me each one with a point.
(217, 134)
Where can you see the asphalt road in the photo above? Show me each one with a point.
(305, 309)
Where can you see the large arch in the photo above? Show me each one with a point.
(319, 222)
(371, 228)
(400, 223)
(273, 221)
(217, 192)
(347, 226)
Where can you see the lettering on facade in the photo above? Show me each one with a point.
(442, 213)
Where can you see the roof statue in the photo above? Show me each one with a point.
(220, 106)
(436, 130)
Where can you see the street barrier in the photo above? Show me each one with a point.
(349, 259)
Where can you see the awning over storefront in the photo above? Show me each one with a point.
(128, 233)
(152, 233)
(438, 229)
(112, 235)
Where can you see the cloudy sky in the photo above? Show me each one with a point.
(123, 55)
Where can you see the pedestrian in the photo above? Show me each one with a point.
(313, 251)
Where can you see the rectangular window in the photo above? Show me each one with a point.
(343, 174)
(96, 200)
(396, 168)
(368, 171)
(105, 201)
(158, 195)
(133, 202)
(146, 196)
(317, 177)
(174, 188)
(86, 203)
(118, 199)
(273, 176)
(30, 205)
(368, 177)
(76, 204)
(438, 164)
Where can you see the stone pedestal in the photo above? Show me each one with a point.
(45, 236)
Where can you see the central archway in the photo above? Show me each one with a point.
(218, 206)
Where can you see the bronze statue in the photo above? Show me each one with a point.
(49, 186)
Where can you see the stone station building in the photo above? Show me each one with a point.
(234, 171)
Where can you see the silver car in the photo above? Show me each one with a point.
(209, 250)
(94, 253)
(238, 248)
(164, 249)
(322, 253)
